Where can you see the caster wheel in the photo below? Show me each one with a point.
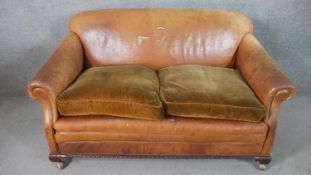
(261, 166)
(60, 165)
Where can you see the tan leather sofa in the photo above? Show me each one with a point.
(160, 82)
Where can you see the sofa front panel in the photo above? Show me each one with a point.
(158, 38)
(62, 137)
(161, 148)
(108, 135)
(167, 126)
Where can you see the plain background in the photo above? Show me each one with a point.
(30, 31)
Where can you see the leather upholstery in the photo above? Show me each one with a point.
(56, 75)
(158, 38)
(171, 129)
(162, 148)
(269, 83)
(61, 137)
(260, 72)
(208, 92)
(169, 125)
(124, 91)
(53, 78)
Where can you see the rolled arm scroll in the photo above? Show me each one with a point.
(61, 69)
(261, 73)
(268, 82)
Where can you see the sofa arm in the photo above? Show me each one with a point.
(60, 70)
(261, 73)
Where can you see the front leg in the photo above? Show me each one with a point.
(62, 160)
(262, 162)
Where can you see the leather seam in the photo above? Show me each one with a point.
(210, 104)
(148, 142)
(123, 133)
(112, 101)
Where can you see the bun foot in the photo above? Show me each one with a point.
(62, 161)
(261, 166)
(262, 162)
(60, 165)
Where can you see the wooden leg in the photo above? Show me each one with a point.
(262, 162)
(62, 161)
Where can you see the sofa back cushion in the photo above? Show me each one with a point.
(158, 38)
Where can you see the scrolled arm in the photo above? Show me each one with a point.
(261, 73)
(59, 71)
(268, 82)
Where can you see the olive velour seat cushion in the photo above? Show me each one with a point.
(208, 92)
(124, 91)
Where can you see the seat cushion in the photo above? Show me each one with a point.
(124, 91)
(208, 92)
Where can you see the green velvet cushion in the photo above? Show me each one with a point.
(124, 91)
(208, 92)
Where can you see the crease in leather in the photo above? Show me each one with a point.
(112, 136)
(135, 142)
(123, 91)
(166, 126)
(200, 91)
(160, 134)
(194, 36)
(161, 148)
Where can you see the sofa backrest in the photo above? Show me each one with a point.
(158, 38)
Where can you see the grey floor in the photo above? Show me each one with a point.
(23, 149)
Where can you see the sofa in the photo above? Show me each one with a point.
(162, 83)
